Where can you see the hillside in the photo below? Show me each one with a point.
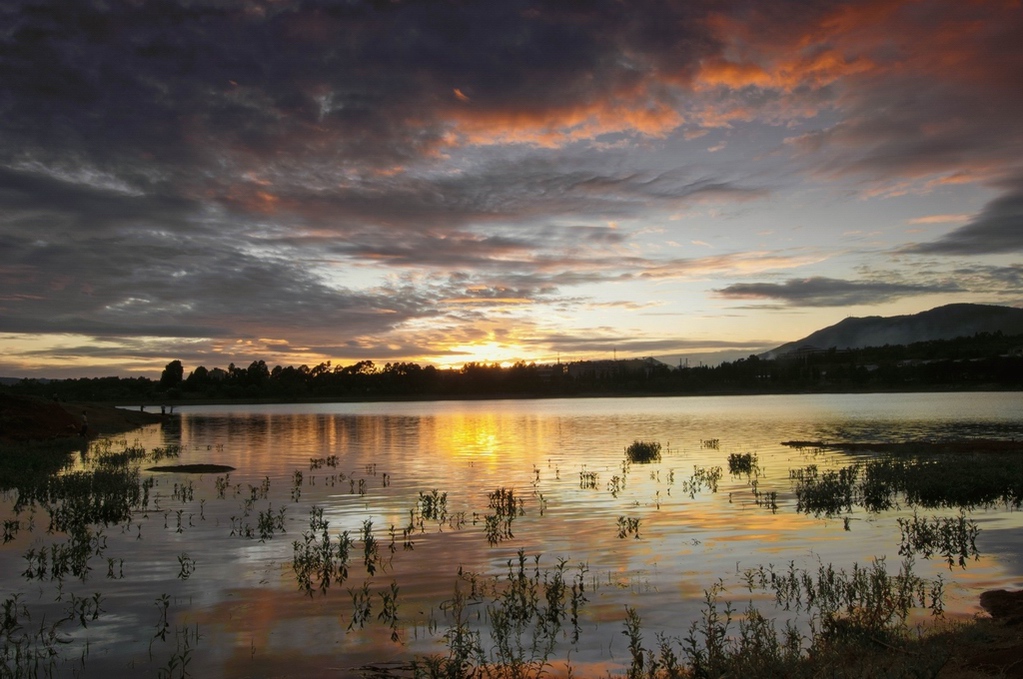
(944, 322)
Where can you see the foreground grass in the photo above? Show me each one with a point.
(839, 624)
(725, 646)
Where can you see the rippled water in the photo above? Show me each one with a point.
(562, 458)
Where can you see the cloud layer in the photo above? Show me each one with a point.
(308, 180)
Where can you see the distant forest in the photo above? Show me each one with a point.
(983, 361)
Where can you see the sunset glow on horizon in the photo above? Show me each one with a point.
(302, 181)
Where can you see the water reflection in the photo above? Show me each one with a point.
(653, 535)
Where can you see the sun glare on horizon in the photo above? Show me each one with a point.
(489, 353)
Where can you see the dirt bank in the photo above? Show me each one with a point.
(990, 647)
(24, 419)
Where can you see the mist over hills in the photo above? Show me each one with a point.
(941, 323)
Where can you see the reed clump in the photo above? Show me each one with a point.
(743, 463)
(643, 451)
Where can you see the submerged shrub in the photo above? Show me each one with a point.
(643, 451)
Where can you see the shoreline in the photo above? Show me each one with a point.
(511, 396)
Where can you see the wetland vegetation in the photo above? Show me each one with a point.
(498, 577)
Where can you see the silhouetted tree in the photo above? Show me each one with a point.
(172, 375)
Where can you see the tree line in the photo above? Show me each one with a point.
(982, 361)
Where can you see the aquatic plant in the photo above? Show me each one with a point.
(824, 493)
(186, 639)
(633, 630)
(927, 481)
(504, 504)
(158, 453)
(433, 506)
(222, 483)
(162, 624)
(767, 499)
(743, 463)
(703, 477)
(643, 451)
(627, 526)
(11, 528)
(389, 609)
(319, 462)
(524, 614)
(370, 547)
(362, 605)
(270, 522)
(25, 652)
(857, 620)
(616, 485)
(954, 538)
(317, 560)
(61, 559)
(187, 566)
(932, 481)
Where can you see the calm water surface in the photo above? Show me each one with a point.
(563, 459)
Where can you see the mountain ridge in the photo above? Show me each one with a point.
(940, 323)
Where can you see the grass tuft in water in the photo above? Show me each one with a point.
(743, 463)
(643, 451)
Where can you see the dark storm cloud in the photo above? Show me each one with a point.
(997, 229)
(82, 206)
(822, 292)
(361, 82)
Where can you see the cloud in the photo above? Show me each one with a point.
(601, 343)
(997, 229)
(343, 177)
(827, 292)
(368, 83)
(905, 83)
(938, 219)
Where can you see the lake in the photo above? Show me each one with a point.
(207, 574)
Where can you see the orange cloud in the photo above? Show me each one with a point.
(719, 72)
(938, 219)
(553, 128)
(487, 300)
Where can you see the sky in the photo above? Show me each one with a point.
(300, 181)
